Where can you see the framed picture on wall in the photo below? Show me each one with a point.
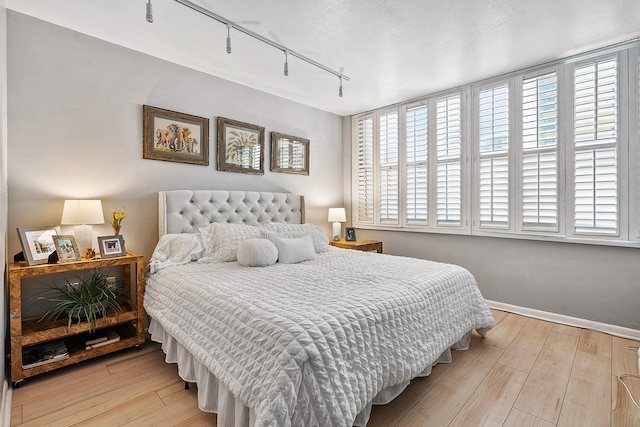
(240, 147)
(67, 248)
(174, 137)
(111, 246)
(37, 243)
(289, 154)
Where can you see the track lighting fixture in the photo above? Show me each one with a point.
(229, 24)
(286, 62)
(149, 12)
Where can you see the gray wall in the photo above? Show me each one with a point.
(75, 131)
(3, 183)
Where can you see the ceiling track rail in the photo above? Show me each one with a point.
(284, 49)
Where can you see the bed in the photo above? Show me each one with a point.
(313, 339)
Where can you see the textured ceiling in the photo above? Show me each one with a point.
(392, 50)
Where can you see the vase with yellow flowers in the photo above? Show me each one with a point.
(116, 220)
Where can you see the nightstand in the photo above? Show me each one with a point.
(359, 244)
(31, 332)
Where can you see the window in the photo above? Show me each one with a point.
(539, 188)
(365, 165)
(595, 140)
(449, 150)
(493, 144)
(555, 155)
(389, 168)
(417, 135)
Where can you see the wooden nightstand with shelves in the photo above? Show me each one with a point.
(360, 245)
(26, 332)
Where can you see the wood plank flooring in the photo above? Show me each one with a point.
(526, 372)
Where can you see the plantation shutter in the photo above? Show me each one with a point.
(365, 170)
(389, 167)
(449, 150)
(494, 156)
(416, 164)
(540, 152)
(596, 146)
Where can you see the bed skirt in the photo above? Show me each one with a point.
(214, 397)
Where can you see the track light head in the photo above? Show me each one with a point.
(149, 12)
(286, 63)
(228, 38)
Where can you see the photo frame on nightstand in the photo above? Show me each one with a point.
(350, 234)
(111, 246)
(67, 248)
(37, 243)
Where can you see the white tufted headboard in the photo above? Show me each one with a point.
(185, 211)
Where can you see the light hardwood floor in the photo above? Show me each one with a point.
(526, 372)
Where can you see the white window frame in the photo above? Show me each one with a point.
(622, 147)
(478, 228)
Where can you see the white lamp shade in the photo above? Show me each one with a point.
(337, 215)
(77, 212)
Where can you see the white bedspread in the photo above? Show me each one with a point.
(313, 343)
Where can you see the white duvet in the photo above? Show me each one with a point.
(313, 343)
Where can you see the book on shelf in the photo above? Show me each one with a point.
(41, 354)
(109, 336)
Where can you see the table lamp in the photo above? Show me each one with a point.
(336, 216)
(82, 213)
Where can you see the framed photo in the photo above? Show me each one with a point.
(350, 234)
(174, 137)
(289, 154)
(67, 248)
(111, 246)
(240, 147)
(37, 243)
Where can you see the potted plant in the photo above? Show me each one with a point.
(86, 300)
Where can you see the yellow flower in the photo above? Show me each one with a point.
(117, 217)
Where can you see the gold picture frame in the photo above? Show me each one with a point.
(289, 154)
(240, 147)
(67, 248)
(174, 137)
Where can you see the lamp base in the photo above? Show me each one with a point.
(84, 235)
(337, 228)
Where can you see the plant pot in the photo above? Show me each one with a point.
(78, 314)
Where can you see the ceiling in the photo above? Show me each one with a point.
(392, 51)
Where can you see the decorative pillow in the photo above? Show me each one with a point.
(320, 240)
(291, 251)
(257, 253)
(273, 235)
(221, 240)
(176, 249)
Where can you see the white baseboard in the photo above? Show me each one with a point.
(618, 331)
(5, 408)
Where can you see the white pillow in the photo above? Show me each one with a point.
(273, 235)
(221, 240)
(291, 251)
(257, 253)
(320, 240)
(176, 249)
